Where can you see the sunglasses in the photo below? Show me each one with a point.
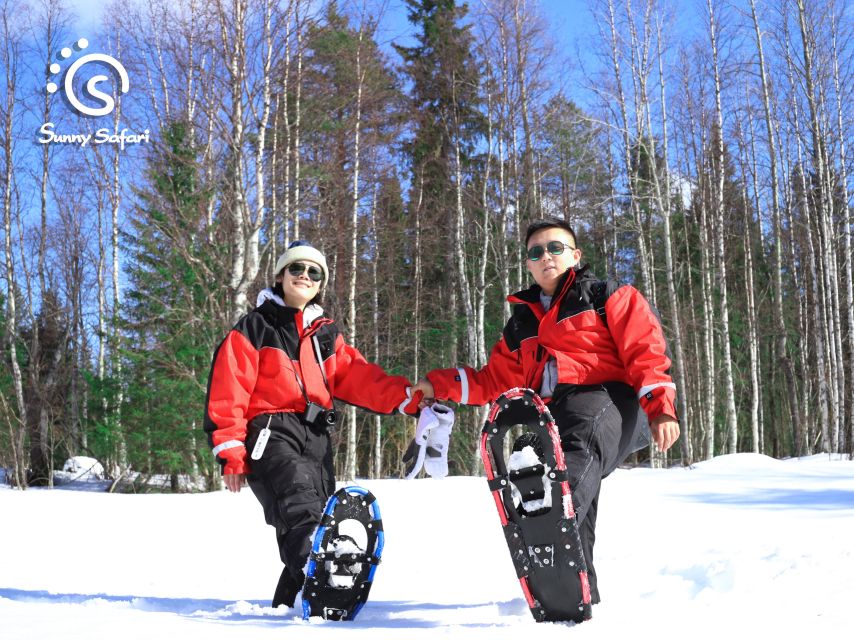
(298, 268)
(555, 247)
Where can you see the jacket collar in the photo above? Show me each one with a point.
(274, 307)
(531, 295)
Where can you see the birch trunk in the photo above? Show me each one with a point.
(50, 18)
(819, 331)
(417, 276)
(708, 373)
(720, 240)
(481, 286)
(639, 61)
(232, 32)
(532, 200)
(459, 250)
(297, 121)
(354, 254)
(806, 371)
(11, 59)
(256, 93)
(643, 258)
(377, 466)
(824, 226)
(747, 247)
(757, 423)
(262, 122)
(663, 195)
(779, 317)
(505, 240)
(103, 333)
(486, 228)
(208, 162)
(286, 88)
(116, 347)
(846, 232)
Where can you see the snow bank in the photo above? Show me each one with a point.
(84, 468)
(736, 546)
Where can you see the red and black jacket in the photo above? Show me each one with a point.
(256, 370)
(629, 347)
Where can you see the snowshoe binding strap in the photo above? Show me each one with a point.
(529, 482)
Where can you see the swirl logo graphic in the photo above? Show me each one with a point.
(91, 85)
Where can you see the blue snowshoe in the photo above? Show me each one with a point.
(345, 551)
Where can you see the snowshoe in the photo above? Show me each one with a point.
(345, 551)
(532, 494)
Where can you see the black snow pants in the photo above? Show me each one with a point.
(599, 425)
(292, 481)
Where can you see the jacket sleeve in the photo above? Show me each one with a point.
(364, 384)
(640, 342)
(232, 380)
(466, 385)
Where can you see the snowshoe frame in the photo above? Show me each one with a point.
(546, 547)
(318, 597)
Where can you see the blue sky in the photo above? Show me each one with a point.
(569, 24)
(569, 20)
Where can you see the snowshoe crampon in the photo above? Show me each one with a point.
(345, 551)
(532, 494)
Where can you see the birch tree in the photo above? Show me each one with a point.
(720, 238)
(354, 234)
(782, 352)
(10, 118)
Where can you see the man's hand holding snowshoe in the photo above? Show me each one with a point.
(665, 431)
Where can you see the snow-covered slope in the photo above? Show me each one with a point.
(740, 545)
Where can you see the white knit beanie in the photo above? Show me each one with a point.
(301, 250)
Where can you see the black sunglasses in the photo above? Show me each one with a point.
(299, 268)
(555, 247)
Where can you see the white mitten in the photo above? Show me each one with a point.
(438, 440)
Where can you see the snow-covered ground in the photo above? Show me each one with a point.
(737, 546)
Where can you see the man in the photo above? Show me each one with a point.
(594, 350)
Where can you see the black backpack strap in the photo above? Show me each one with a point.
(600, 292)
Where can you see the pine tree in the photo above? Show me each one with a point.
(330, 118)
(173, 316)
(446, 122)
(46, 391)
(352, 112)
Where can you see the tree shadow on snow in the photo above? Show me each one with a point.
(192, 607)
(376, 614)
(817, 499)
(407, 614)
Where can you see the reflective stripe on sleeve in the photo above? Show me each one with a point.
(646, 389)
(229, 444)
(464, 386)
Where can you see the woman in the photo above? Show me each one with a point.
(269, 405)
